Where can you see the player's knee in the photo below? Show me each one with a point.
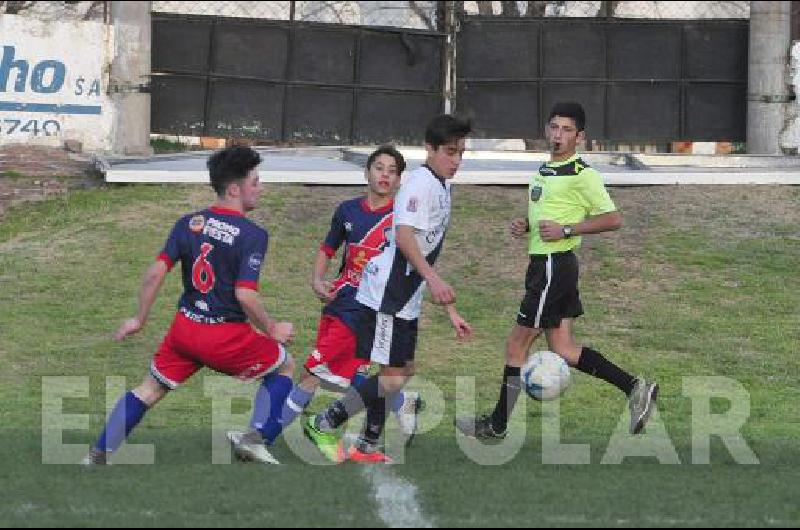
(309, 382)
(516, 352)
(569, 352)
(393, 383)
(150, 392)
(288, 366)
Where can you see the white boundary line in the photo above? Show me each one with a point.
(395, 498)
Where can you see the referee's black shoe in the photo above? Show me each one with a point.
(479, 428)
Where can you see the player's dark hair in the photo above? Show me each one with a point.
(445, 128)
(392, 152)
(229, 165)
(569, 109)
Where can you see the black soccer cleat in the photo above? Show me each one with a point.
(479, 428)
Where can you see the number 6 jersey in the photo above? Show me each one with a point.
(219, 250)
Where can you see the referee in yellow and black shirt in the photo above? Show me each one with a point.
(567, 199)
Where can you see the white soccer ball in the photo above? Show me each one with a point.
(545, 376)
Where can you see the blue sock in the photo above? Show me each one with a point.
(126, 415)
(358, 380)
(297, 401)
(278, 387)
(396, 402)
(260, 408)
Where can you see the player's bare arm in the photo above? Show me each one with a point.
(442, 293)
(463, 329)
(322, 288)
(607, 222)
(151, 285)
(282, 332)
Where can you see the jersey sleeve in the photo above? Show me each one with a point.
(412, 205)
(254, 250)
(336, 235)
(172, 248)
(595, 196)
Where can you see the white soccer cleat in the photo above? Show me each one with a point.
(249, 447)
(408, 415)
(95, 458)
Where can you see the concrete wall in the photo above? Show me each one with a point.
(633, 9)
(368, 13)
(47, 10)
(790, 139)
(53, 82)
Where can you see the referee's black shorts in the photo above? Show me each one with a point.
(551, 291)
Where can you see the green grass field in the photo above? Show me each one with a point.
(701, 281)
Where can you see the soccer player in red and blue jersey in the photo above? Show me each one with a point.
(221, 322)
(360, 226)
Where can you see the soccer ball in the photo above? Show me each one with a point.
(545, 376)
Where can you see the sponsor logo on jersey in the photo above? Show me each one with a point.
(255, 261)
(221, 231)
(536, 193)
(547, 171)
(197, 223)
(412, 205)
(431, 236)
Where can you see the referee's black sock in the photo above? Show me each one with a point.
(509, 393)
(594, 364)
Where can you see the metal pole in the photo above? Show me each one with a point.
(451, 31)
(768, 85)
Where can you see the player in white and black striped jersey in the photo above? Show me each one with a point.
(392, 288)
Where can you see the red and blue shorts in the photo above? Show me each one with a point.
(334, 359)
(232, 348)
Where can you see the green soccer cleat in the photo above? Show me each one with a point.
(328, 443)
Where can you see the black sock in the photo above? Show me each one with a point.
(594, 364)
(375, 421)
(509, 393)
(353, 402)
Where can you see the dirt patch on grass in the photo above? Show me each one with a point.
(35, 173)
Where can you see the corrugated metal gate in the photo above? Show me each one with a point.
(287, 81)
(638, 80)
(318, 83)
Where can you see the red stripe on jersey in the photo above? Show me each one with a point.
(243, 284)
(226, 211)
(386, 209)
(163, 257)
(328, 251)
(376, 238)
